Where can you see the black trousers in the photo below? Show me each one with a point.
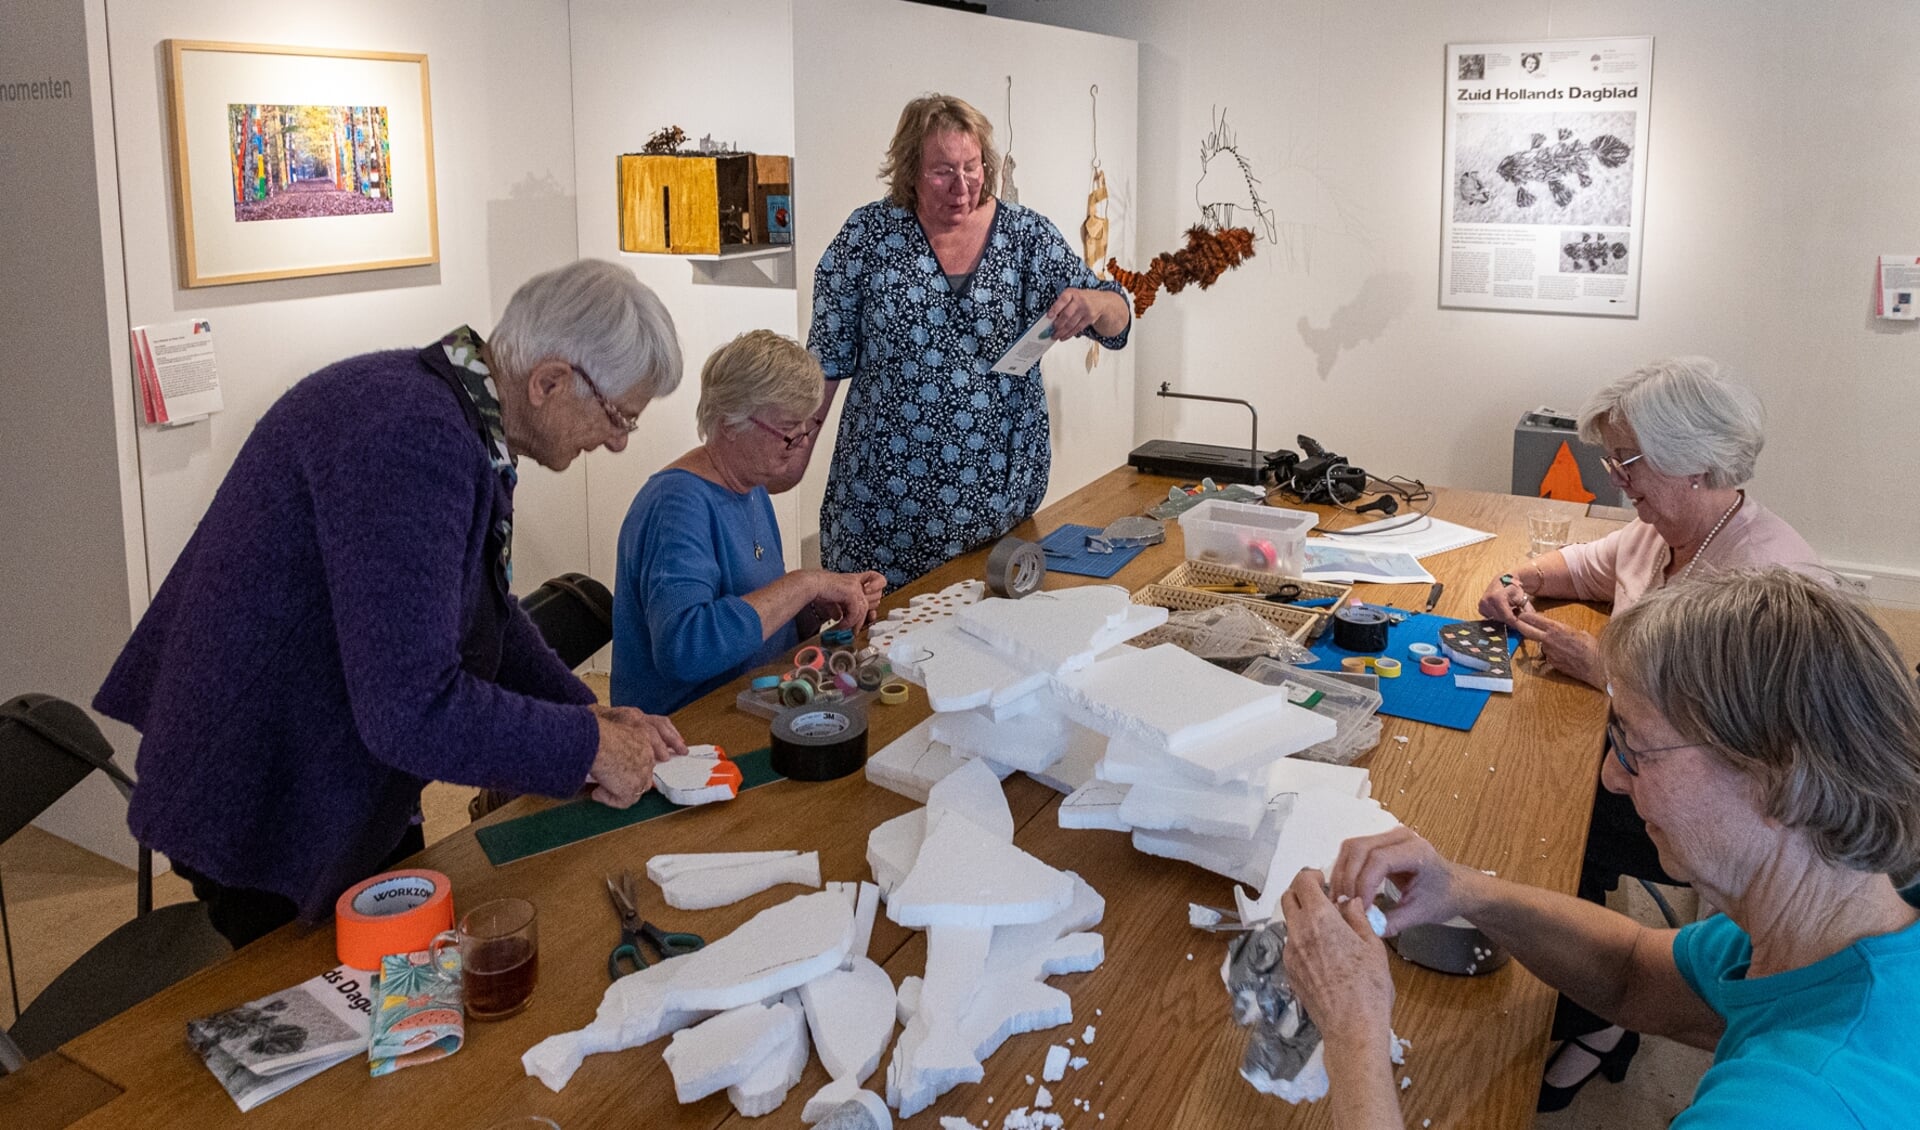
(1617, 846)
(243, 915)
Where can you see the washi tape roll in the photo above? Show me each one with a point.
(1359, 628)
(846, 683)
(1262, 557)
(396, 912)
(1355, 663)
(810, 656)
(894, 693)
(871, 674)
(1422, 650)
(1385, 667)
(766, 682)
(1434, 665)
(842, 662)
(813, 677)
(837, 637)
(1015, 568)
(795, 692)
(819, 743)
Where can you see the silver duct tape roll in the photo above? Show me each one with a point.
(819, 743)
(1015, 568)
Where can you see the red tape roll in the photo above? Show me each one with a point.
(396, 912)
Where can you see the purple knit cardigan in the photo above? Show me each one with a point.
(335, 635)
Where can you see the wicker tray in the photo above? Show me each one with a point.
(1297, 623)
(1189, 573)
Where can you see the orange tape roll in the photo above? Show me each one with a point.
(395, 912)
(1434, 665)
(818, 660)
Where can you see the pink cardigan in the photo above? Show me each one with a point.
(1632, 561)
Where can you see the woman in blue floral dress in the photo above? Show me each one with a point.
(914, 302)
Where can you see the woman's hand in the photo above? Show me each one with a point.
(849, 598)
(1567, 650)
(1428, 883)
(1077, 309)
(1504, 600)
(631, 744)
(1338, 968)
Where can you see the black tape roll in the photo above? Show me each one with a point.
(819, 743)
(1360, 629)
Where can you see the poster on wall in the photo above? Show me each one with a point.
(1545, 175)
(293, 161)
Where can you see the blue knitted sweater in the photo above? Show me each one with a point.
(336, 633)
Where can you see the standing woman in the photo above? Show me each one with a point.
(914, 302)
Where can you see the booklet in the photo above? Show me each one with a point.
(266, 1046)
(1026, 353)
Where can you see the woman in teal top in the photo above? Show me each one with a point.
(701, 592)
(1767, 731)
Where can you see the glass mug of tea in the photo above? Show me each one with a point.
(499, 956)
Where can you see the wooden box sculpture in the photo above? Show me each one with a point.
(698, 204)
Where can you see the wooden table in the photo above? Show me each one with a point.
(1511, 796)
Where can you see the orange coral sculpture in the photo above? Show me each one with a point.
(1209, 253)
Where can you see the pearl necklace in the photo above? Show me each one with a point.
(1688, 571)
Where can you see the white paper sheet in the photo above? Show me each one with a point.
(1329, 562)
(1422, 538)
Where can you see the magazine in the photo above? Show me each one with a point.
(260, 1049)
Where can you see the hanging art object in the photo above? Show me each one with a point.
(1009, 192)
(1093, 231)
(1226, 185)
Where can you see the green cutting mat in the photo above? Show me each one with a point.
(577, 820)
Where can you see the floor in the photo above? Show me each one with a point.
(62, 899)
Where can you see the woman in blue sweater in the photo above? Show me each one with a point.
(702, 592)
(339, 630)
(1768, 732)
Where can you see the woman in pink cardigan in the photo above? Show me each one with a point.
(1680, 439)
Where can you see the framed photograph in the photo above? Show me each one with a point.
(292, 161)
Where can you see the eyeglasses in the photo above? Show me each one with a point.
(946, 174)
(806, 432)
(627, 424)
(1625, 754)
(1618, 467)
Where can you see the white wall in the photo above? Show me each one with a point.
(503, 173)
(1774, 178)
(719, 69)
(64, 561)
(845, 115)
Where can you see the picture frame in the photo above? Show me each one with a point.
(298, 161)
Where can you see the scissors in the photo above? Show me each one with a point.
(628, 956)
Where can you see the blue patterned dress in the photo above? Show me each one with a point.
(936, 453)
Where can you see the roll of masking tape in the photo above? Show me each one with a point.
(1422, 650)
(1434, 665)
(1015, 568)
(894, 693)
(396, 912)
(1378, 664)
(819, 743)
(1358, 664)
(810, 656)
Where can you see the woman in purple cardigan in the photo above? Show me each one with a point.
(339, 630)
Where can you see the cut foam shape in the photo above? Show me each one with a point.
(1077, 766)
(1171, 700)
(1095, 804)
(717, 1053)
(780, 948)
(912, 763)
(975, 793)
(1297, 775)
(956, 960)
(1310, 836)
(1173, 806)
(1004, 1006)
(1062, 630)
(765, 1087)
(894, 846)
(1030, 742)
(703, 775)
(958, 670)
(663, 867)
(1076, 953)
(1244, 861)
(1083, 912)
(850, 1013)
(706, 887)
(865, 906)
(968, 876)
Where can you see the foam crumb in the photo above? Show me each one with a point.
(1406, 1081)
(1077, 1062)
(1086, 1036)
(1042, 1098)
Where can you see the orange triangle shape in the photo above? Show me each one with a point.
(1562, 480)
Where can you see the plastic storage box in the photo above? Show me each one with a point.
(1353, 709)
(1265, 539)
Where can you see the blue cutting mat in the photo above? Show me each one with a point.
(1071, 556)
(1421, 698)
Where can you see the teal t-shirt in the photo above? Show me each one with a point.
(1828, 1045)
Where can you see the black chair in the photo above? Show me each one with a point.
(574, 614)
(47, 746)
